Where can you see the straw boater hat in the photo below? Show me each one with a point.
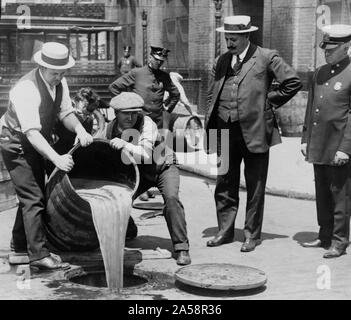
(237, 24)
(334, 35)
(54, 55)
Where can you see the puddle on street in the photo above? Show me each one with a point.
(93, 285)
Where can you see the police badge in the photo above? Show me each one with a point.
(337, 86)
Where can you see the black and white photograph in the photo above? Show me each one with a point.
(177, 156)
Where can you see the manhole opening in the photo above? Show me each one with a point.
(98, 279)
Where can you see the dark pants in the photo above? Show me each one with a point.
(27, 171)
(333, 198)
(167, 181)
(228, 183)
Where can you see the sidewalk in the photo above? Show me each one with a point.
(289, 175)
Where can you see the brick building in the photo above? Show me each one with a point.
(187, 27)
(89, 28)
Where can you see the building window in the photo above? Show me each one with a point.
(126, 38)
(175, 38)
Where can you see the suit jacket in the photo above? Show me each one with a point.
(256, 104)
(151, 86)
(327, 127)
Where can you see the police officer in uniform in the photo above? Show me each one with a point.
(150, 83)
(326, 141)
(36, 102)
(127, 62)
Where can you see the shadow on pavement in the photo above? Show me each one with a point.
(305, 236)
(150, 242)
(218, 293)
(239, 234)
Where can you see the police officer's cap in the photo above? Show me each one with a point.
(334, 35)
(127, 102)
(159, 53)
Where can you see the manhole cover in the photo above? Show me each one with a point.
(98, 279)
(221, 276)
(149, 205)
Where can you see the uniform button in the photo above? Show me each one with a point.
(333, 71)
(314, 123)
(327, 84)
(337, 65)
(321, 97)
(317, 110)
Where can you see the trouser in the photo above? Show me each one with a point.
(228, 183)
(27, 171)
(167, 181)
(333, 199)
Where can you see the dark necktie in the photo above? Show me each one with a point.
(237, 65)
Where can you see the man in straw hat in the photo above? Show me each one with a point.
(37, 100)
(239, 104)
(130, 122)
(326, 141)
(127, 62)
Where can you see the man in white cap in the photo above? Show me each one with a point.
(146, 148)
(37, 100)
(239, 102)
(151, 83)
(326, 141)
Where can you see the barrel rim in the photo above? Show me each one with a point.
(126, 153)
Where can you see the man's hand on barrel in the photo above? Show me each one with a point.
(64, 162)
(84, 138)
(117, 143)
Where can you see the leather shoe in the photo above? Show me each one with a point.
(49, 263)
(183, 258)
(316, 244)
(248, 245)
(219, 240)
(334, 252)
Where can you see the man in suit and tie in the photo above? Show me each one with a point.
(240, 104)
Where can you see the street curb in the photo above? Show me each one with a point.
(270, 191)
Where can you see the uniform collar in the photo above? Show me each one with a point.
(341, 64)
(328, 71)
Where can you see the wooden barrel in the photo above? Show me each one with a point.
(8, 198)
(291, 116)
(187, 131)
(68, 220)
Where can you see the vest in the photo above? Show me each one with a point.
(227, 102)
(48, 109)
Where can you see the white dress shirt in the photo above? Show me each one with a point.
(26, 100)
(241, 56)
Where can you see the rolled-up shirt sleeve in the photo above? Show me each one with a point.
(66, 104)
(26, 100)
(142, 147)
